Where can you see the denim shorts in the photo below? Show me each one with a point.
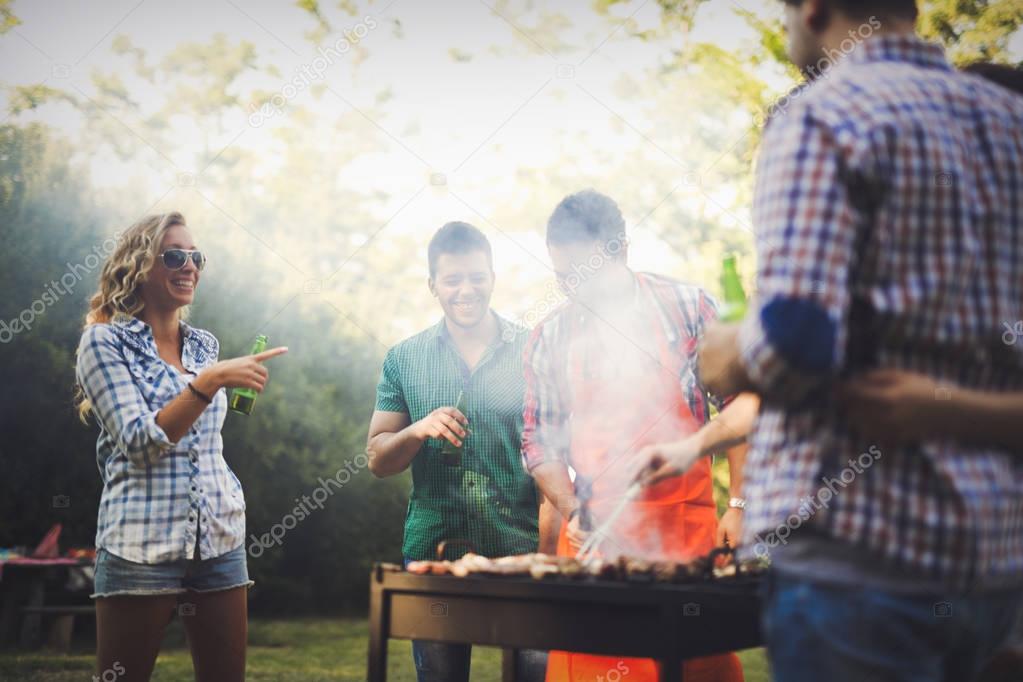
(119, 577)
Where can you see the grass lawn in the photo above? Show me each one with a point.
(304, 650)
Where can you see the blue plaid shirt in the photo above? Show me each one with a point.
(157, 495)
(889, 217)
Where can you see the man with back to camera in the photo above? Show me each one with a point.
(485, 498)
(889, 212)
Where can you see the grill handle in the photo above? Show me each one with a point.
(454, 542)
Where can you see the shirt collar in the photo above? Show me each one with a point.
(508, 331)
(900, 48)
(140, 335)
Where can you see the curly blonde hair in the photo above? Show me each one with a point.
(122, 276)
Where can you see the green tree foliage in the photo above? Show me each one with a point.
(7, 18)
(736, 90)
(308, 425)
(311, 422)
(45, 454)
(973, 31)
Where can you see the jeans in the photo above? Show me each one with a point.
(443, 662)
(818, 632)
(440, 662)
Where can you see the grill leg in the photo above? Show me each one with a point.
(671, 664)
(378, 627)
(509, 665)
(671, 670)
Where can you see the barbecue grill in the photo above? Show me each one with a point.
(664, 621)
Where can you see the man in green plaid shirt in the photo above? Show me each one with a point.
(488, 499)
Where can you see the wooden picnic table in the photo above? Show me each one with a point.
(23, 583)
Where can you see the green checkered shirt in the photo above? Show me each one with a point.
(489, 500)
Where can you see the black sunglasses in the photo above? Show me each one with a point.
(175, 259)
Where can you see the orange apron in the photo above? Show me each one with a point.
(615, 412)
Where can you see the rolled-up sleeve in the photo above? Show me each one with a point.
(390, 396)
(706, 315)
(117, 401)
(545, 416)
(794, 339)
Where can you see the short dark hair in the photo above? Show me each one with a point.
(1007, 76)
(864, 9)
(457, 237)
(586, 216)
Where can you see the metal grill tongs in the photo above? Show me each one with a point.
(589, 548)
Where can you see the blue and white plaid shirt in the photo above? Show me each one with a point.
(157, 494)
(889, 217)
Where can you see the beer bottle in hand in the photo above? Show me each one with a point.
(734, 309)
(451, 455)
(243, 399)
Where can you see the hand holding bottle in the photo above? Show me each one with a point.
(246, 372)
(444, 423)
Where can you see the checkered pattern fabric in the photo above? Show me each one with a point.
(157, 495)
(489, 500)
(889, 216)
(683, 312)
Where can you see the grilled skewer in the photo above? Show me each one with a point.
(631, 569)
(589, 548)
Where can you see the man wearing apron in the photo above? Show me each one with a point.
(609, 372)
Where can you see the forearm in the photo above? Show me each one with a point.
(732, 425)
(550, 526)
(736, 462)
(554, 482)
(392, 453)
(178, 416)
(982, 418)
(721, 361)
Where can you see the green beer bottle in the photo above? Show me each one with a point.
(451, 455)
(734, 309)
(243, 399)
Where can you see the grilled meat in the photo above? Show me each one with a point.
(542, 566)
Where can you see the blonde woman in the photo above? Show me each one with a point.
(172, 516)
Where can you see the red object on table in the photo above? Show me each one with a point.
(48, 554)
(47, 548)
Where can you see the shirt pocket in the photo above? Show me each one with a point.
(153, 380)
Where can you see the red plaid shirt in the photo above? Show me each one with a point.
(889, 217)
(683, 311)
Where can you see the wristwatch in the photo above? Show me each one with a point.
(737, 503)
